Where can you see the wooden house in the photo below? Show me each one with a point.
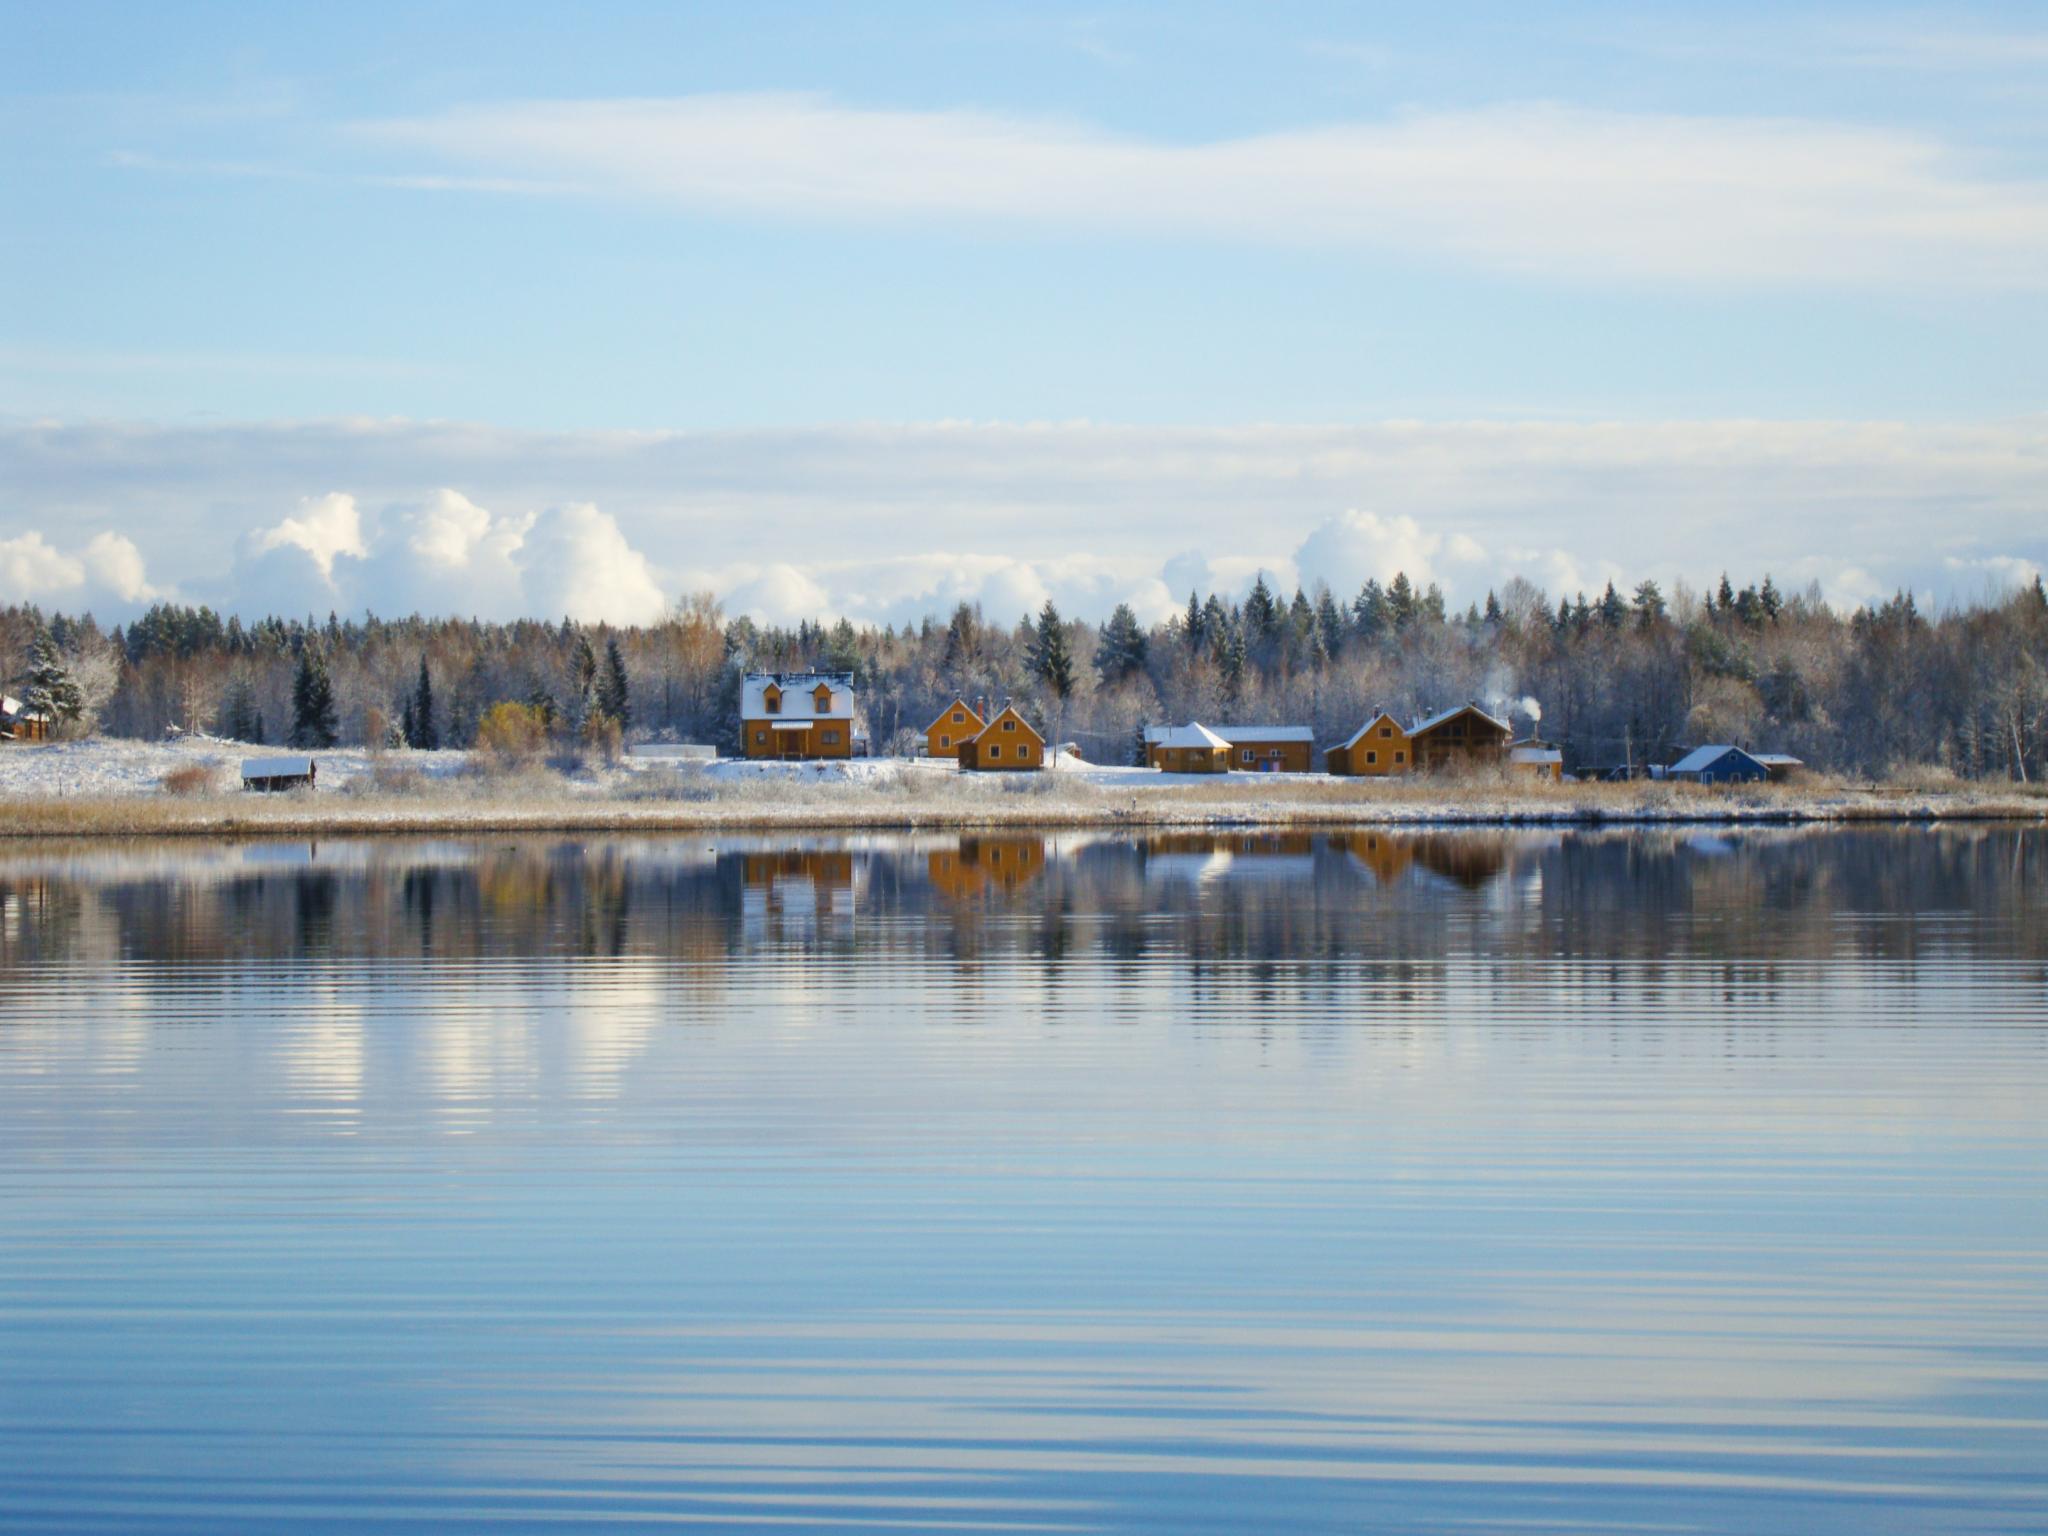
(1718, 765)
(1252, 748)
(957, 723)
(1465, 737)
(797, 715)
(1006, 744)
(1378, 747)
(20, 723)
(1190, 748)
(275, 775)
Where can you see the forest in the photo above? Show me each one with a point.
(1621, 680)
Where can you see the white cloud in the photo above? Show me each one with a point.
(897, 521)
(576, 562)
(108, 573)
(1581, 194)
(324, 527)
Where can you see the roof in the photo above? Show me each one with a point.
(1778, 760)
(277, 768)
(797, 700)
(1706, 757)
(1007, 709)
(1233, 734)
(1378, 715)
(959, 704)
(1442, 715)
(15, 709)
(1535, 755)
(1194, 734)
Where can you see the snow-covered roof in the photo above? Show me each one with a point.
(799, 691)
(1778, 760)
(1193, 734)
(14, 709)
(277, 768)
(1535, 755)
(1233, 734)
(1359, 735)
(1706, 757)
(1442, 715)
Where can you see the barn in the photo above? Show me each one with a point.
(274, 775)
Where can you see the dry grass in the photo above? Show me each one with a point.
(192, 779)
(394, 798)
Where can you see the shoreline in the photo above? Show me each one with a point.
(823, 808)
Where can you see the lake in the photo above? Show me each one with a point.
(1508, 1182)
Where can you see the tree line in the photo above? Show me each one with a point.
(1619, 679)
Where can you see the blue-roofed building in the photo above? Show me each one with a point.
(1718, 765)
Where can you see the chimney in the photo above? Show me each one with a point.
(981, 708)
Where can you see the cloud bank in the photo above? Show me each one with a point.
(890, 523)
(1582, 194)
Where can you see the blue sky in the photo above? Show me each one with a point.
(1169, 272)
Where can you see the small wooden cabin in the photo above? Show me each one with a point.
(1536, 759)
(1376, 748)
(275, 775)
(1191, 748)
(1718, 765)
(957, 724)
(20, 723)
(1006, 744)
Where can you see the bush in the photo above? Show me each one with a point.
(192, 779)
(603, 741)
(511, 735)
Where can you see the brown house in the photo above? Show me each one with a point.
(1378, 747)
(1537, 759)
(1251, 748)
(1006, 743)
(956, 724)
(1464, 737)
(20, 723)
(797, 714)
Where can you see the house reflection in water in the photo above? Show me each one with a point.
(797, 894)
(1469, 859)
(980, 864)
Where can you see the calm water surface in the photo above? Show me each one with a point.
(1509, 1183)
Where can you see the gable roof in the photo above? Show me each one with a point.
(996, 719)
(961, 704)
(277, 768)
(1778, 760)
(1233, 734)
(1195, 735)
(1442, 715)
(1359, 735)
(1706, 757)
(1528, 753)
(799, 702)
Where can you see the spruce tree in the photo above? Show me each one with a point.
(1195, 625)
(420, 730)
(614, 696)
(1120, 651)
(314, 722)
(50, 690)
(241, 720)
(1053, 665)
(1401, 600)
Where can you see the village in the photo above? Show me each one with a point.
(800, 716)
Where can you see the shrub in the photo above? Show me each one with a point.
(511, 735)
(192, 779)
(1920, 778)
(603, 740)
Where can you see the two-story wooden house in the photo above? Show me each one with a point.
(957, 724)
(797, 714)
(1006, 743)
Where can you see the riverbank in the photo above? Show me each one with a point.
(129, 789)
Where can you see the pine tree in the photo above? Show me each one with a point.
(583, 680)
(50, 690)
(314, 722)
(1770, 603)
(1329, 623)
(1401, 604)
(1261, 612)
(1493, 614)
(1370, 615)
(1194, 627)
(614, 695)
(1649, 604)
(420, 729)
(1235, 654)
(1612, 609)
(1120, 650)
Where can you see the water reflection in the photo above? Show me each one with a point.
(1178, 1182)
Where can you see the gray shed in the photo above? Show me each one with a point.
(272, 775)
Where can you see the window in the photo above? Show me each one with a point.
(1245, 756)
(1386, 730)
(945, 741)
(830, 738)
(959, 718)
(1372, 757)
(774, 702)
(995, 749)
(760, 737)
(1400, 757)
(1009, 725)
